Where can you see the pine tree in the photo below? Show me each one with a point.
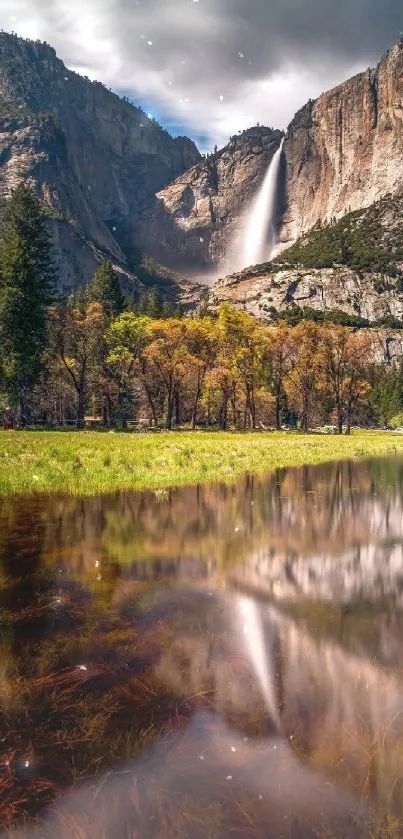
(27, 281)
(105, 289)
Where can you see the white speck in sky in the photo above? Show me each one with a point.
(150, 116)
(150, 43)
(240, 54)
(142, 37)
(13, 18)
(221, 98)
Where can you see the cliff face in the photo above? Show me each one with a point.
(199, 215)
(344, 151)
(371, 297)
(96, 160)
(117, 184)
(368, 296)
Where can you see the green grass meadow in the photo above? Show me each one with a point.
(88, 463)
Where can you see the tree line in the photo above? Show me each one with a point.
(97, 354)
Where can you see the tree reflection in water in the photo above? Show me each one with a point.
(129, 702)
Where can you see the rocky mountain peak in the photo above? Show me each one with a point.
(96, 160)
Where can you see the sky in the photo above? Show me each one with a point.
(210, 68)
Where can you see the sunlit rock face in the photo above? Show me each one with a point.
(201, 214)
(96, 161)
(262, 291)
(344, 151)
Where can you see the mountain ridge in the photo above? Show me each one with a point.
(116, 185)
(94, 158)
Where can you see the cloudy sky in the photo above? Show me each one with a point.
(209, 68)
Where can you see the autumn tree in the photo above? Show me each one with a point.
(105, 290)
(278, 360)
(27, 280)
(201, 343)
(345, 355)
(125, 338)
(75, 337)
(168, 358)
(238, 369)
(304, 381)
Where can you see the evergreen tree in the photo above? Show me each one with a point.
(156, 304)
(26, 289)
(105, 289)
(152, 305)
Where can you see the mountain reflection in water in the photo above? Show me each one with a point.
(205, 662)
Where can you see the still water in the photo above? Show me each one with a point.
(220, 661)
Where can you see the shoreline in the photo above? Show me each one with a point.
(92, 463)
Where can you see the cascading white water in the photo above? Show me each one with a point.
(258, 653)
(260, 233)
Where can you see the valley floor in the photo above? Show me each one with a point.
(88, 463)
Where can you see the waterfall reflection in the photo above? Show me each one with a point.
(217, 661)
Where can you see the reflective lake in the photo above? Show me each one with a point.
(205, 662)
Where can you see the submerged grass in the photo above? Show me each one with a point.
(88, 463)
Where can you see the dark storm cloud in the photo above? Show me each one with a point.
(217, 64)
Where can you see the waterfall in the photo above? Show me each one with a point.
(260, 233)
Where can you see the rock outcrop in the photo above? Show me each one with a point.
(96, 160)
(200, 213)
(116, 184)
(371, 297)
(342, 152)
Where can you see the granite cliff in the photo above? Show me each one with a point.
(200, 213)
(96, 160)
(342, 153)
(116, 184)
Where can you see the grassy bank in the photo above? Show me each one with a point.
(88, 462)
